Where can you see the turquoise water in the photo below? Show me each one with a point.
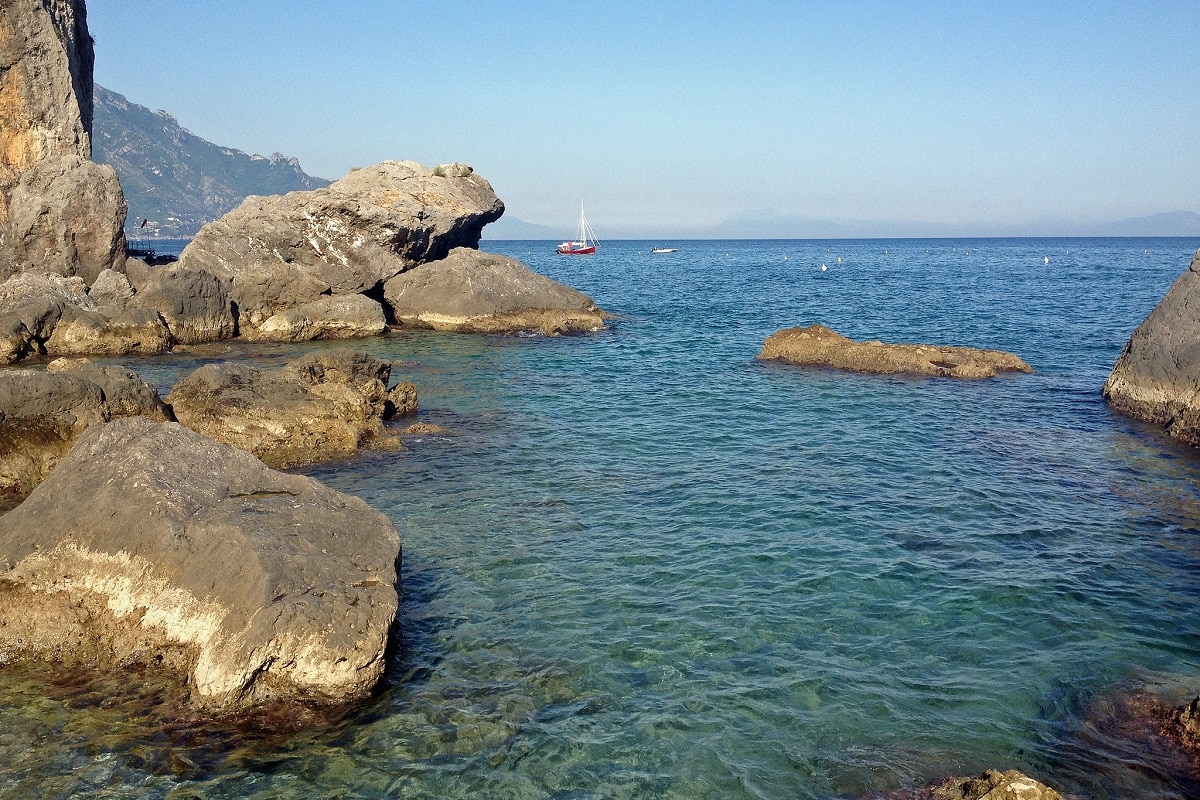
(643, 565)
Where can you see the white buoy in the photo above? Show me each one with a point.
(823, 268)
(839, 259)
(1047, 259)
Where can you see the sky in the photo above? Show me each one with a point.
(677, 116)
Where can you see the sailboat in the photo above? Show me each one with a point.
(585, 245)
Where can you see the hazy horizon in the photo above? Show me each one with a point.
(947, 114)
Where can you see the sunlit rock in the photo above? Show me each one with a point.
(819, 346)
(152, 545)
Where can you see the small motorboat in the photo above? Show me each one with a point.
(585, 245)
(664, 249)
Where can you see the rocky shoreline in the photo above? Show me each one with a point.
(158, 533)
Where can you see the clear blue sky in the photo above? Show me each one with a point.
(683, 114)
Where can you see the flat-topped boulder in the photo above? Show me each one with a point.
(43, 413)
(474, 292)
(1157, 376)
(153, 546)
(819, 346)
(319, 407)
(277, 253)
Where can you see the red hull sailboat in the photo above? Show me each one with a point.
(585, 245)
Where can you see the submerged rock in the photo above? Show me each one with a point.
(153, 545)
(992, 785)
(277, 253)
(43, 413)
(817, 345)
(1157, 377)
(322, 406)
(474, 292)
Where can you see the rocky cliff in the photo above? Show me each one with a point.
(177, 180)
(1157, 377)
(59, 212)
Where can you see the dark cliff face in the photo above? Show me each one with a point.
(173, 178)
(70, 17)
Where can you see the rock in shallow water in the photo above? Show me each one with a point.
(1157, 377)
(277, 253)
(316, 408)
(151, 544)
(992, 785)
(43, 413)
(817, 345)
(474, 292)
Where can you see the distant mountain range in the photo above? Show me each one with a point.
(175, 180)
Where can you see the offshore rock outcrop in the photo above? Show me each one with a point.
(43, 413)
(279, 253)
(59, 212)
(1157, 376)
(474, 292)
(153, 545)
(318, 407)
(819, 346)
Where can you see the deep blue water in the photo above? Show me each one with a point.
(644, 565)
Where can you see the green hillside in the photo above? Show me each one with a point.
(174, 179)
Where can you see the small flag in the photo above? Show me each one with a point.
(143, 223)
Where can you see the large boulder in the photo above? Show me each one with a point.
(277, 253)
(43, 413)
(320, 407)
(39, 300)
(342, 316)
(111, 331)
(193, 302)
(474, 292)
(59, 212)
(66, 215)
(819, 346)
(1157, 376)
(152, 545)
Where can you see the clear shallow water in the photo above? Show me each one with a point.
(645, 565)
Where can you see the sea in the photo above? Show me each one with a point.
(641, 563)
